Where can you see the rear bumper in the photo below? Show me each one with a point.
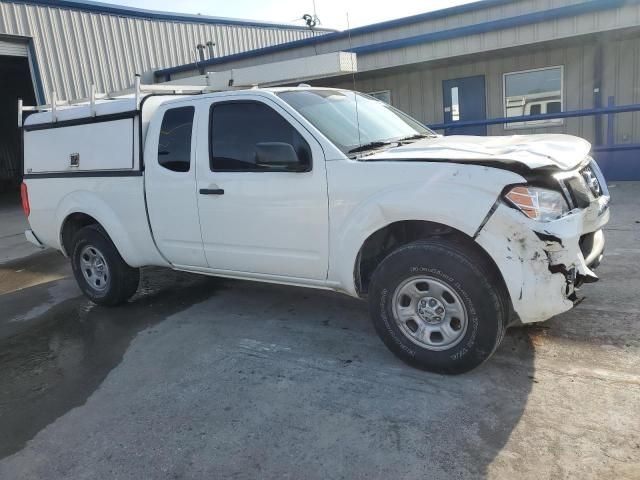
(543, 264)
(31, 238)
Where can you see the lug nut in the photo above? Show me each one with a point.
(439, 310)
(432, 303)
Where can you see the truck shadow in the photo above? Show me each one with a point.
(53, 361)
(311, 366)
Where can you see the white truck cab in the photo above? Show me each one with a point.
(451, 239)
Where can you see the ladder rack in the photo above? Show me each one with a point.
(138, 91)
(270, 74)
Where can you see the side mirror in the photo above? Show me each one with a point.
(276, 155)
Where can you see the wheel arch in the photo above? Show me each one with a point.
(70, 226)
(81, 209)
(379, 244)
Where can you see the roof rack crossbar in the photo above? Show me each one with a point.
(273, 74)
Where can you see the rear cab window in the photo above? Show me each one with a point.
(174, 142)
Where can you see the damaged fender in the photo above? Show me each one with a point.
(541, 262)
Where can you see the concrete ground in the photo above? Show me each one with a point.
(208, 378)
(12, 227)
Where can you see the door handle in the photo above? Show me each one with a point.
(211, 191)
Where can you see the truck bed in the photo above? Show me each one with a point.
(79, 160)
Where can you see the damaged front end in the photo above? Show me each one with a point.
(544, 261)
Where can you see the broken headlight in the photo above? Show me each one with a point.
(538, 203)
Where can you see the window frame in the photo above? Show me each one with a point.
(245, 170)
(555, 122)
(191, 150)
(373, 94)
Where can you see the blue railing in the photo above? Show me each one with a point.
(618, 161)
(545, 116)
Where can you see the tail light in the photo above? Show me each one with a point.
(24, 195)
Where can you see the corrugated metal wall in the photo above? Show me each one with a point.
(622, 81)
(419, 91)
(463, 43)
(76, 48)
(515, 7)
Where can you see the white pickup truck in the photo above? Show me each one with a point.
(451, 239)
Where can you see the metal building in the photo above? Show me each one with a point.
(67, 45)
(561, 66)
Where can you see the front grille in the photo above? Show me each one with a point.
(578, 191)
(584, 186)
(591, 180)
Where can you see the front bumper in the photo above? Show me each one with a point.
(544, 263)
(592, 247)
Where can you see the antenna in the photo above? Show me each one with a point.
(312, 21)
(353, 76)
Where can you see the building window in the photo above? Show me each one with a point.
(384, 95)
(533, 92)
(174, 144)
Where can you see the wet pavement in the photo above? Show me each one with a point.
(12, 226)
(208, 378)
(53, 356)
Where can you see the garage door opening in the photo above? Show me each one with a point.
(15, 83)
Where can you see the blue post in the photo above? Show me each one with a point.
(611, 101)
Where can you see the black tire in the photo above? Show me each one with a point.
(122, 280)
(475, 287)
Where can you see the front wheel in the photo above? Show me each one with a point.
(437, 306)
(100, 271)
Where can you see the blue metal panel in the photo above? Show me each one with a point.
(547, 116)
(472, 104)
(622, 162)
(611, 122)
(520, 20)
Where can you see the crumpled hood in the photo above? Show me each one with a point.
(533, 151)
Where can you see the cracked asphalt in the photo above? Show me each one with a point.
(200, 377)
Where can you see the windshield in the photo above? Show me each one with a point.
(333, 112)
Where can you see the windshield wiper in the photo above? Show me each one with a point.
(416, 137)
(369, 146)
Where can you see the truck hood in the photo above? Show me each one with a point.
(564, 152)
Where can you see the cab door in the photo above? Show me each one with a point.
(262, 191)
(170, 185)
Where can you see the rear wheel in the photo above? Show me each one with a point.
(100, 271)
(437, 306)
